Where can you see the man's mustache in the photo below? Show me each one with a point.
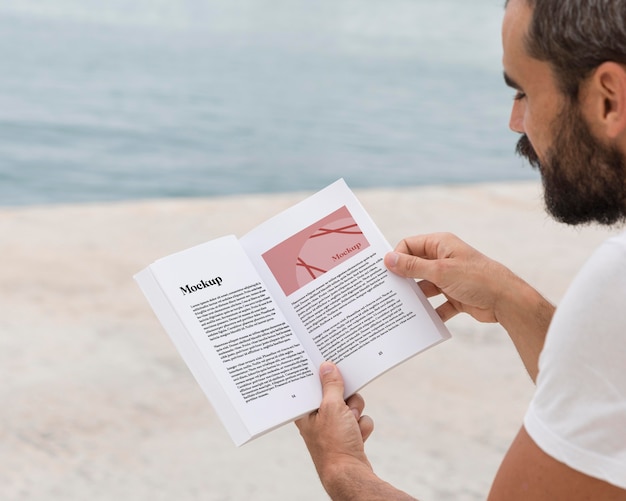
(525, 149)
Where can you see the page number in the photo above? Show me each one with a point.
(380, 353)
(293, 396)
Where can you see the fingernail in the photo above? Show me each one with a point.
(326, 368)
(392, 259)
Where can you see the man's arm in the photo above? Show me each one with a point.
(474, 284)
(335, 436)
(483, 288)
(529, 473)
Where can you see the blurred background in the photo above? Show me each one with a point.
(134, 99)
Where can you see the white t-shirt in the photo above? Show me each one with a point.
(578, 412)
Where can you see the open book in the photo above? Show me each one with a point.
(254, 318)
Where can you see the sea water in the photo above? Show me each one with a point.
(132, 99)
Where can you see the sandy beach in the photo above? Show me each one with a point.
(98, 405)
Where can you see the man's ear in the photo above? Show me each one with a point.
(606, 99)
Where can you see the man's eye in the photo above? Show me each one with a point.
(519, 95)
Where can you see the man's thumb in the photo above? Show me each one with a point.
(332, 382)
(404, 265)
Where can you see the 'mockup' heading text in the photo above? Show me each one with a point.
(203, 284)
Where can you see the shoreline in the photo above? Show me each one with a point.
(100, 404)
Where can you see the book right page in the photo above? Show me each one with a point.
(322, 260)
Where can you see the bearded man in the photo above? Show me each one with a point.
(566, 60)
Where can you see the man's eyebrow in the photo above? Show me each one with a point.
(510, 82)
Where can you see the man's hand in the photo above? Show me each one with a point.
(335, 436)
(471, 282)
(336, 433)
(474, 284)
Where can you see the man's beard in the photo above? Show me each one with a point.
(583, 179)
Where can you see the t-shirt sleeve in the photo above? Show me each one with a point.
(578, 413)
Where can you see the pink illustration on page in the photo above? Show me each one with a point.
(315, 250)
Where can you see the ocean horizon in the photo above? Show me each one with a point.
(122, 100)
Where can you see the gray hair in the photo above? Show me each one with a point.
(576, 36)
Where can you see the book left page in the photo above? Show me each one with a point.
(233, 337)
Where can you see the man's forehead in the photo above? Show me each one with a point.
(515, 24)
(530, 3)
(517, 17)
(522, 71)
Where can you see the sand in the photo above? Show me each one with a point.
(97, 404)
